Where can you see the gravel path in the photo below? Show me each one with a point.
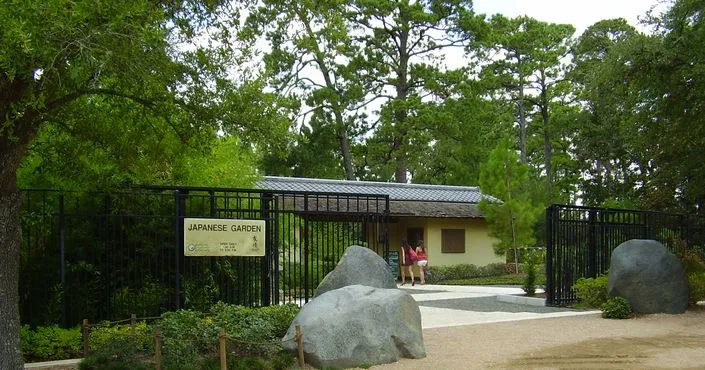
(576, 342)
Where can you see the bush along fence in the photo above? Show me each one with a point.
(222, 339)
(580, 241)
(185, 339)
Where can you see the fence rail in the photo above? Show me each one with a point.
(105, 255)
(580, 241)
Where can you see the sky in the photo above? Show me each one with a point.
(580, 14)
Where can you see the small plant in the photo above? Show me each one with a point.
(616, 308)
(532, 261)
(592, 292)
(121, 353)
(696, 281)
(50, 342)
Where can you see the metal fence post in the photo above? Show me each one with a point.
(178, 247)
(592, 245)
(305, 278)
(62, 256)
(268, 242)
(550, 280)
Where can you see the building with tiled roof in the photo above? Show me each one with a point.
(445, 217)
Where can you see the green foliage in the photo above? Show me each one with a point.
(616, 308)
(266, 325)
(186, 333)
(121, 353)
(463, 271)
(691, 260)
(291, 278)
(200, 294)
(532, 261)
(512, 279)
(150, 300)
(592, 292)
(50, 343)
(104, 333)
(511, 221)
(696, 283)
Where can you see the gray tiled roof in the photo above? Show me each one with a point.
(396, 191)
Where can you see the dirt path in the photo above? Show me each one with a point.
(580, 342)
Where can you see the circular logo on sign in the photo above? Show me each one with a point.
(191, 247)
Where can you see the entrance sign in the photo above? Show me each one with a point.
(394, 263)
(223, 237)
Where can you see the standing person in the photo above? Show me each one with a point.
(422, 260)
(406, 262)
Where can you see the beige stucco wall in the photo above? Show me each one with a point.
(478, 244)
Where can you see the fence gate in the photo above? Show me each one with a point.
(580, 241)
(104, 256)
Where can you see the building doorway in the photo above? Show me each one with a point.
(413, 235)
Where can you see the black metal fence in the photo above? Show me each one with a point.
(102, 256)
(580, 241)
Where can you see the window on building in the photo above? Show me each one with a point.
(453, 240)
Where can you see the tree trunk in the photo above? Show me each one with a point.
(10, 239)
(522, 114)
(345, 148)
(547, 148)
(11, 154)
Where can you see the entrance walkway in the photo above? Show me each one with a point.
(453, 305)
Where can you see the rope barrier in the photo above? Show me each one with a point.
(250, 343)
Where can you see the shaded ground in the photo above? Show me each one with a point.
(579, 342)
(489, 304)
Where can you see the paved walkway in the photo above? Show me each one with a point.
(452, 305)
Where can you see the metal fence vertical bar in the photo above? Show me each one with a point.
(178, 247)
(62, 258)
(550, 280)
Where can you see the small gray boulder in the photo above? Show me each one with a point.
(358, 325)
(359, 265)
(650, 277)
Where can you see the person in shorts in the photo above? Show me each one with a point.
(422, 260)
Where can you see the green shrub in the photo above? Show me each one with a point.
(292, 278)
(201, 291)
(493, 269)
(264, 326)
(592, 292)
(186, 334)
(616, 308)
(463, 271)
(696, 281)
(121, 353)
(150, 300)
(532, 261)
(691, 260)
(50, 343)
(190, 340)
(104, 333)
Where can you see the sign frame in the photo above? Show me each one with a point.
(221, 237)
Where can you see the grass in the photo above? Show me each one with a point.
(511, 279)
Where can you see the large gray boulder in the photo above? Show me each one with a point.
(358, 325)
(650, 277)
(359, 265)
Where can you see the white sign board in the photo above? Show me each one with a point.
(223, 237)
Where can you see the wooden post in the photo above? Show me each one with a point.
(299, 347)
(158, 348)
(223, 356)
(85, 337)
(133, 319)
